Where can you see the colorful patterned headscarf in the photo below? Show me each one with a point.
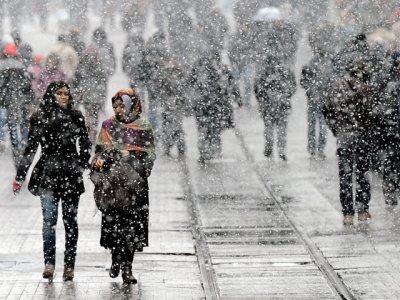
(136, 135)
(126, 95)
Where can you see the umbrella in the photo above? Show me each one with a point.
(268, 14)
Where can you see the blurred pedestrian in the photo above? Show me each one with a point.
(25, 50)
(125, 143)
(214, 29)
(182, 36)
(35, 69)
(131, 59)
(105, 51)
(239, 52)
(275, 84)
(348, 112)
(16, 96)
(91, 78)
(90, 85)
(74, 39)
(58, 129)
(214, 91)
(153, 58)
(387, 136)
(134, 17)
(173, 106)
(51, 72)
(315, 77)
(68, 55)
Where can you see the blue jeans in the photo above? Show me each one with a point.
(317, 131)
(153, 112)
(247, 75)
(18, 133)
(69, 203)
(3, 123)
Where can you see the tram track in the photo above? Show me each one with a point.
(208, 276)
(207, 272)
(321, 262)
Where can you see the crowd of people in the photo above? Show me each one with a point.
(352, 84)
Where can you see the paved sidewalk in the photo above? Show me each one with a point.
(168, 269)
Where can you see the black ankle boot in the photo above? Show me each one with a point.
(127, 275)
(115, 265)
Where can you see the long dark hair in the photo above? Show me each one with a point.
(48, 102)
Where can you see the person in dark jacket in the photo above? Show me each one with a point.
(51, 72)
(173, 106)
(349, 113)
(90, 85)
(239, 53)
(214, 91)
(154, 56)
(315, 77)
(126, 136)
(274, 87)
(57, 127)
(387, 137)
(131, 59)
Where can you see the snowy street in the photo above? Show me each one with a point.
(240, 227)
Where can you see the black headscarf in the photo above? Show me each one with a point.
(48, 103)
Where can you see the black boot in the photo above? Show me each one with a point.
(115, 264)
(126, 267)
(127, 275)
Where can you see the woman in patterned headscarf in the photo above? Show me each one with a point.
(129, 137)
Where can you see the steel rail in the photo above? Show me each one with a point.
(209, 279)
(316, 254)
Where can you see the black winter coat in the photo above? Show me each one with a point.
(273, 89)
(60, 165)
(350, 107)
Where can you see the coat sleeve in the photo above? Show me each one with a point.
(85, 145)
(29, 153)
(329, 109)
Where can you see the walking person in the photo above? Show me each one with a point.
(387, 137)
(315, 77)
(51, 72)
(348, 112)
(214, 91)
(125, 139)
(16, 96)
(68, 55)
(95, 67)
(57, 127)
(274, 87)
(173, 106)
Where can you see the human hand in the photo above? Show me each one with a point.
(99, 163)
(16, 187)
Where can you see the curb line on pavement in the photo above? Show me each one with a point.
(209, 279)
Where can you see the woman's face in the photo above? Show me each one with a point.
(62, 97)
(119, 109)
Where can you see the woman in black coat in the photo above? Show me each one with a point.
(57, 127)
(126, 137)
